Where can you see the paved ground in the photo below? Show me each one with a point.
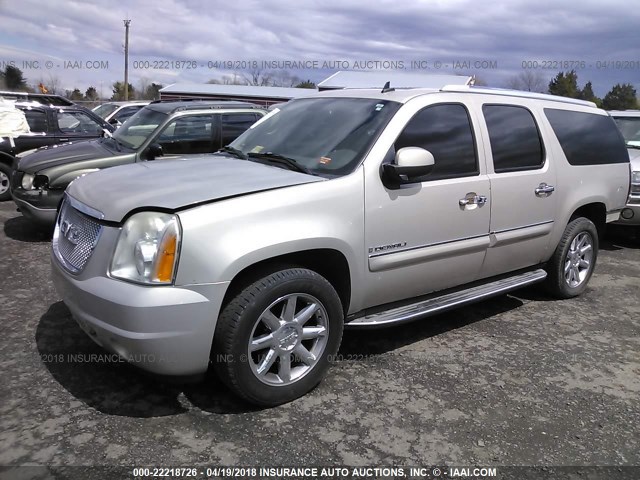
(519, 380)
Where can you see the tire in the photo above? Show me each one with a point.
(574, 260)
(259, 348)
(5, 179)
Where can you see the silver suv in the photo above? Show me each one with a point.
(353, 208)
(629, 124)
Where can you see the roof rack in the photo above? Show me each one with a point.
(516, 93)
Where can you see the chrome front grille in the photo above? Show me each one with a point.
(75, 237)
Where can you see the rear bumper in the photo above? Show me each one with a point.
(164, 330)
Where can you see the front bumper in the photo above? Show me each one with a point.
(40, 205)
(166, 330)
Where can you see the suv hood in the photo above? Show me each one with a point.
(179, 183)
(54, 155)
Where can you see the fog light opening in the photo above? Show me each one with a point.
(627, 214)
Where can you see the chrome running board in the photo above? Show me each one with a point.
(435, 305)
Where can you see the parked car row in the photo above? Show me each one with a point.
(49, 125)
(159, 130)
(350, 208)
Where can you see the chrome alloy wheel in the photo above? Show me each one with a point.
(578, 260)
(4, 182)
(288, 339)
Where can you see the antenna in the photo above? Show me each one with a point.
(387, 88)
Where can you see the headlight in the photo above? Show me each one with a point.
(635, 177)
(33, 182)
(27, 181)
(148, 248)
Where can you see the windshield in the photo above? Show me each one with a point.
(630, 128)
(136, 129)
(104, 110)
(326, 136)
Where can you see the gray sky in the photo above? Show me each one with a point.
(59, 37)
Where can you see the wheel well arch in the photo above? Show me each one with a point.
(596, 212)
(329, 263)
(7, 159)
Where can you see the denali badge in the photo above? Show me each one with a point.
(70, 232)
(384, 248)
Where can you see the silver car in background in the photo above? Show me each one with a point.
(628, 122)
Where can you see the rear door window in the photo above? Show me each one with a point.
(516, 144)
(234, 124)
(188, 135)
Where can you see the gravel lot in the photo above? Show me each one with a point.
(518, 380)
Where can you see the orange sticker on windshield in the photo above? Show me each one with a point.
(325, 160)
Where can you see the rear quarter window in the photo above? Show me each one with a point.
(587, 138)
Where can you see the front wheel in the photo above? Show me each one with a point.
(5, 177)
(572, 263)
(275, 339)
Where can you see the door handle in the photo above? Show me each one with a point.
(544, 190)
(473, 199)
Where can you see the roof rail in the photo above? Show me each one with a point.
(516, 93)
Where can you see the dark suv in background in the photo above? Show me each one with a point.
(161, 129)
(50, 125)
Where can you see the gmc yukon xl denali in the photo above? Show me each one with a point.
(352, 208)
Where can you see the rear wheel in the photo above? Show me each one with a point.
(5, 176)
(572, 264)
(274, 340)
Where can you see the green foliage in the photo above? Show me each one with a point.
(91, 94)
(565, 85)
(118, 91)
(587, 94)
(620, 97)
(14, 79)
(152, 92)
(75, 94)
(306, 84)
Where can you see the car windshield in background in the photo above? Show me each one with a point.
(630, 128)
(104, 110)
(325, 136)
(137, 129)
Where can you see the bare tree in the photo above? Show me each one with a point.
(529, 81)
(143, 86)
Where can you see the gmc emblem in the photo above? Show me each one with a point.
(70, 232)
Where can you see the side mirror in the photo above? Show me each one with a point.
(115, 122)
(410, 164)
(154, 151)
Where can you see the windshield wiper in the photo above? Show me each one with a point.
(117, 143)
(233, 151)
(271, 157)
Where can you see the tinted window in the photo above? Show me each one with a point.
(126, 112)
(514, 136)
(78, 123)
(233, 125)
(186, 135)
(444, 130)
(37, 120)
(587, 138)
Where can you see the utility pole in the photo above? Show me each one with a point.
(126, 59)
